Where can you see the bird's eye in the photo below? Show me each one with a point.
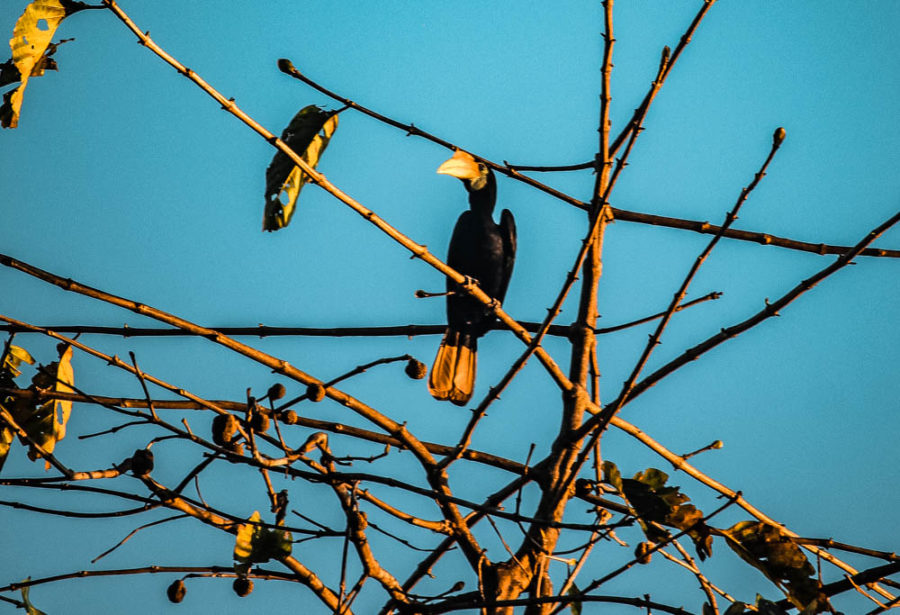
(481, 167)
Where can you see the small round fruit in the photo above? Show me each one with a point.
(242, 586)
(276, 391)
(224, 426)
(176, 591)
(316, 391)
(142, 462)
(260, 422)
(642, 552)
(416, 369)
(290, 417)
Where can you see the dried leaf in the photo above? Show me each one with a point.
(767, 549)
(308, 134)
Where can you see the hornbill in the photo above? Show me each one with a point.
(482, 250)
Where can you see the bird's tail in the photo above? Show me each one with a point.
(453, 374)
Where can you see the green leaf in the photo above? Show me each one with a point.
(308, 134)
(257, 544)
(653, 478)
(737, 608)
(612, 475)
(31, 39)
(30, 609)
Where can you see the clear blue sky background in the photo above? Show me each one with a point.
(124, 176)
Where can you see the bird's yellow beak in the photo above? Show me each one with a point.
(461, 165)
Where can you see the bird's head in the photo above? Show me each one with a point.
(475, 175)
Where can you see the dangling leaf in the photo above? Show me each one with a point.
(30, 609)
(308, 134)
(257, 544)
(31, 39)
(767, 549)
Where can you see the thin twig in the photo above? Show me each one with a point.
(262, 331)
(132, 533)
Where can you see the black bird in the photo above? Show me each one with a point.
(484, 251)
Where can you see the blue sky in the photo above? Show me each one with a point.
(124, 176)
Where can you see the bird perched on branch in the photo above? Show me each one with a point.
(484, 251)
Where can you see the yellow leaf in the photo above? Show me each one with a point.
(6, 438)
(31, 37)
(257, 544)
(65, 376)
(308, 134)
(243, 542)
(14, 358)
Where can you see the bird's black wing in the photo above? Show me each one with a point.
(508, 233)
(459, 253)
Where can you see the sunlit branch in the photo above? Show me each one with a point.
(356, 530)
(679, 463)
(872, 575)
(610, 410)
(727, 333)
(437, 479)
(604, 188)
(828, 543)
(620, 214)
(418, 250)
(689, 564)
(440, 527)
(656, 547)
